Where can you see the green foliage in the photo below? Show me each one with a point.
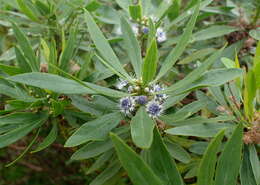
(129, 92)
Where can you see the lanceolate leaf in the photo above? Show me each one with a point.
(26, 10)
(230, 159)
(103, 46)
(162, 163)
(142, 129)
(178, 50)
(68, 51)
(95, 130)
(249, 93)
(49, 139)
(196, 74)
(246, 171)
(19, 132)
(150, 63)
(26, 48)
(138, 171)
(63, 85)
(255, 163)
(215, 77)
(207, 165)
(132, 47)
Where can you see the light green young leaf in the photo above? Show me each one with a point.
(162, 163)
(95, 130)
(179, 49)
(249, 93)
(68, 52)
(230, 159)
(135, 12)
(138, 171)
(26, 10)
(257, 65)
(132, 46)
(208, 163)
(142, 129)
(150, 63)
(103, 46)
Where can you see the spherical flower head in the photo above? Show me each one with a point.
(160, 35)
(121, 84)
(135, 29)
(142, 100)
(158, 97)
(130, 89)
(154, 109)
(127, 104)
(145, 30)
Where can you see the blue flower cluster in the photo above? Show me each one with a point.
(147, 97)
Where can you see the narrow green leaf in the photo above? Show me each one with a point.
(162, 163)
(249, 94)
(26, 10)
(230, 159)
(179, 49)
(255, 163)
(92, 149)
(63, 85)
(178, 152)
(215, 77)
(195, 74)
(68, 52)
(213, 31)
(49, 139)
(52, 82)
(22, 130)
(246, 171)
(107, 174)
(132, 47)
(26, 47)
(100, 161)
(197, 55)
(139, 172)
(103, 46)
(257, 65)
(150, 63)
(10, 70)
(95, 130)
(199, 130)
(22, 61)
(25, 151)
(142, 129)
(209, 160)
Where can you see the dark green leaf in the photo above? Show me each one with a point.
(230, 159)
